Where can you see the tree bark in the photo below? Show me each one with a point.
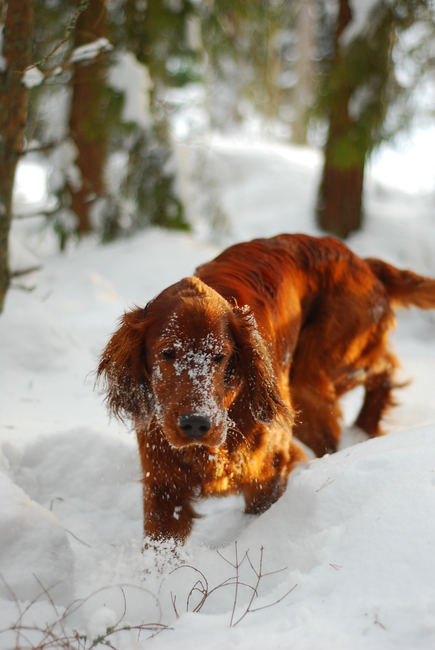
(14, 97)
(86, 117)
(339, 205)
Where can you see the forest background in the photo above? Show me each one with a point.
(92, 90)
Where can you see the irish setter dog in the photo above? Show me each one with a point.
(219, 369)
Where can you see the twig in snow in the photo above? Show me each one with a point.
(326, 483)
(376, 622)
(77, 538)
(55, 635)
(52, 502)
(201, 586)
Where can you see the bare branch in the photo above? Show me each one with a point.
(328, 481)
(173, 599)
(81, 8)
(31, 269)
(237, 584)
(52, 638)
(255, 590)
(77, 538)
(42, 147)
(257, 609)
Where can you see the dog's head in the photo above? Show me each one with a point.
(183, 360)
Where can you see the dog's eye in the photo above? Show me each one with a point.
(169, 354)
(230, 370)
(218, 358)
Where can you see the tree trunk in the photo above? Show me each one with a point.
(306, 30)
(86, 116)
(339, 206)
(14, 96)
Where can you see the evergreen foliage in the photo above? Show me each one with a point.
(366, 68)
(155, 33)
(248, 55)
(251, 54)
(364, 102)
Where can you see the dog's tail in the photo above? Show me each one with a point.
(404, 288)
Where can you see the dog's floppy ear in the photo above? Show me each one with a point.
(123, 367)
(253, 363)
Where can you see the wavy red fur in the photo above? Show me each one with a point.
(219, 369)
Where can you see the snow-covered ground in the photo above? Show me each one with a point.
(343, 560)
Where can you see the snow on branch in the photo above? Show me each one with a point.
(71, 25)
(81, 55)
(33, 77)
(90, 50)
(361, 13)
(131, 77)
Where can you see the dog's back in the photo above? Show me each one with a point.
(332, 311)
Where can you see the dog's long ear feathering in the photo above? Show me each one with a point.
(254, 365)
(123, 367)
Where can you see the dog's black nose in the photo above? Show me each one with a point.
(194, 426)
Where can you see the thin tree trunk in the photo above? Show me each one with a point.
(339, 206)
(339, 209)
(86, 116)
(305, 23)
(14, 97)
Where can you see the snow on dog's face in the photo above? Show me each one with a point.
(191, 359)
(183, 360)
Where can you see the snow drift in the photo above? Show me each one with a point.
(347, 559)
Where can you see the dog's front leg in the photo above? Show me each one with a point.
(168, 512)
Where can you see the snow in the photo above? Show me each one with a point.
(33, 77)
(418, 174)
(64, 169)
(347, 559)
(193, 33)
(33, 534)
(90, 50)
(361, 11)
(131, 77)
(20, 258)
(30, 183)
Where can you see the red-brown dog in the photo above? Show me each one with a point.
(217, 370)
